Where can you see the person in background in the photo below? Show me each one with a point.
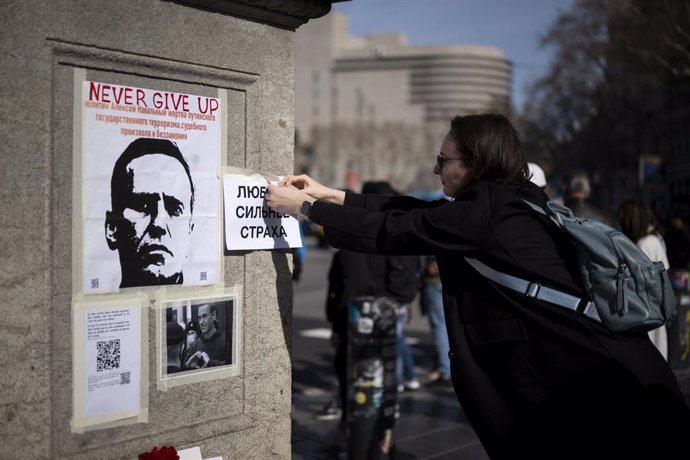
(298, 255)
(354, 274)
(431, 301)
(401, 280)
(639, 223)
(535, 380)
(191, 335)
(576, 196)
(406, 270)
(537, 176)
(678, 243)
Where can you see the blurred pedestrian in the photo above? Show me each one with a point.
(639, 223)
(576, 196)
(537, 176)
(535, 379)
(402, 280)
(298, 255)
(678, 243)
(354, 274)
(431, 301)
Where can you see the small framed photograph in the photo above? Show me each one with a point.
(198, 339)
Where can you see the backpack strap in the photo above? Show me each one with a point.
(552, 210)
(535, 207)
(535, 290)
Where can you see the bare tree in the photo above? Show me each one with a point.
(618, 65)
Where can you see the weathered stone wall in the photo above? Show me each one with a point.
(145, 43)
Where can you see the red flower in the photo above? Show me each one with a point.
(164, 453)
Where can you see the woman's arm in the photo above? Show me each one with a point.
(386, 225)
(295, 190)
(288, 197)
(315, 189)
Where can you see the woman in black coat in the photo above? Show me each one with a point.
(535, 380)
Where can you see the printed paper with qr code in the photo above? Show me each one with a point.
(111, 361)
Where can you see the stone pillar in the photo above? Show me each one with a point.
(244, 47)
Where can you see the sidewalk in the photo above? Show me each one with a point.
(431, 424)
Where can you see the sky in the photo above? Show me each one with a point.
(513, 26)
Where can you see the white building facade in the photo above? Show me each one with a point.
(376, 108)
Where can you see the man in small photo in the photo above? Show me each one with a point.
(151, 220)
(210, 349)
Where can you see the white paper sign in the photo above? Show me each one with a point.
(111, 361)
(249, 223)
(150, 187)
(193, 453)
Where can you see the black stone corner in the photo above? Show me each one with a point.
(286, 14)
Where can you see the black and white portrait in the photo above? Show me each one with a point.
(150, 222)
(199, 336)
(150, 191)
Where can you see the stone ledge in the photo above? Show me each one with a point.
(286, 14)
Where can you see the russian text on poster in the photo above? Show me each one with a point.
(249, 223)
(150, 187)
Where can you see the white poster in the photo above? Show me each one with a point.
(111, 361)
(108, 369)
(249, 223)
(150, 188)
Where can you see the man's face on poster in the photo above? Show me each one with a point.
(153, 225)
(207, 320)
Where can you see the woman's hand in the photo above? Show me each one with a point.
(286, 199)
(314, 189)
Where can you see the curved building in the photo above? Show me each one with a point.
(443, 80)
(376, 107)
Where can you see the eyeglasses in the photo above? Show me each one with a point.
(440, 161)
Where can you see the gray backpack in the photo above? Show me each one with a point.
(627, 292)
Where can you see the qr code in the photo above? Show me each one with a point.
(108, 357)
(94, 283)
(202, 276)
(124, 378)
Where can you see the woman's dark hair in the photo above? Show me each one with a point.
(491, 149)
(637, 220)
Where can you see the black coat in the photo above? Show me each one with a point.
(355, 274)
(535, 380)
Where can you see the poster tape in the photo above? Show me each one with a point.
(77, 164)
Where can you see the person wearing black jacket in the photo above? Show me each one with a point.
(354, 274)
(535, 380)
